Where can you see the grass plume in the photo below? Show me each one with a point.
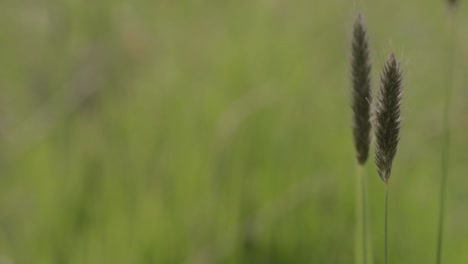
(360, 104)
(387, 128)
(388, 117)
(361, 91)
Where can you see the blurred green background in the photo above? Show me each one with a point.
(218, 131)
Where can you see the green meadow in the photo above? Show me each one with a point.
(202, 132)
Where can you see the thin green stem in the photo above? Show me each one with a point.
(445, 151)
(361, 215)
(386, 225)
(364, 216)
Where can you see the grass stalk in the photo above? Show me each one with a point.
(445, 151)
(386, 225)
(361, 217)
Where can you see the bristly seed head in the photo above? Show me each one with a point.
(361, 91)
(388, 117)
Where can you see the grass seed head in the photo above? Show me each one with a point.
(388, 117)
(360, 90)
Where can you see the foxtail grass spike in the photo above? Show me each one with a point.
(388, 117)
(360, 91)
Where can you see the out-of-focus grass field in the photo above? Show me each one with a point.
(218, 132)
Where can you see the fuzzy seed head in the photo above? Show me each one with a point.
(388, 117)
(360, 91)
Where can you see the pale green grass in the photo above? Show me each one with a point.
(199, 99)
